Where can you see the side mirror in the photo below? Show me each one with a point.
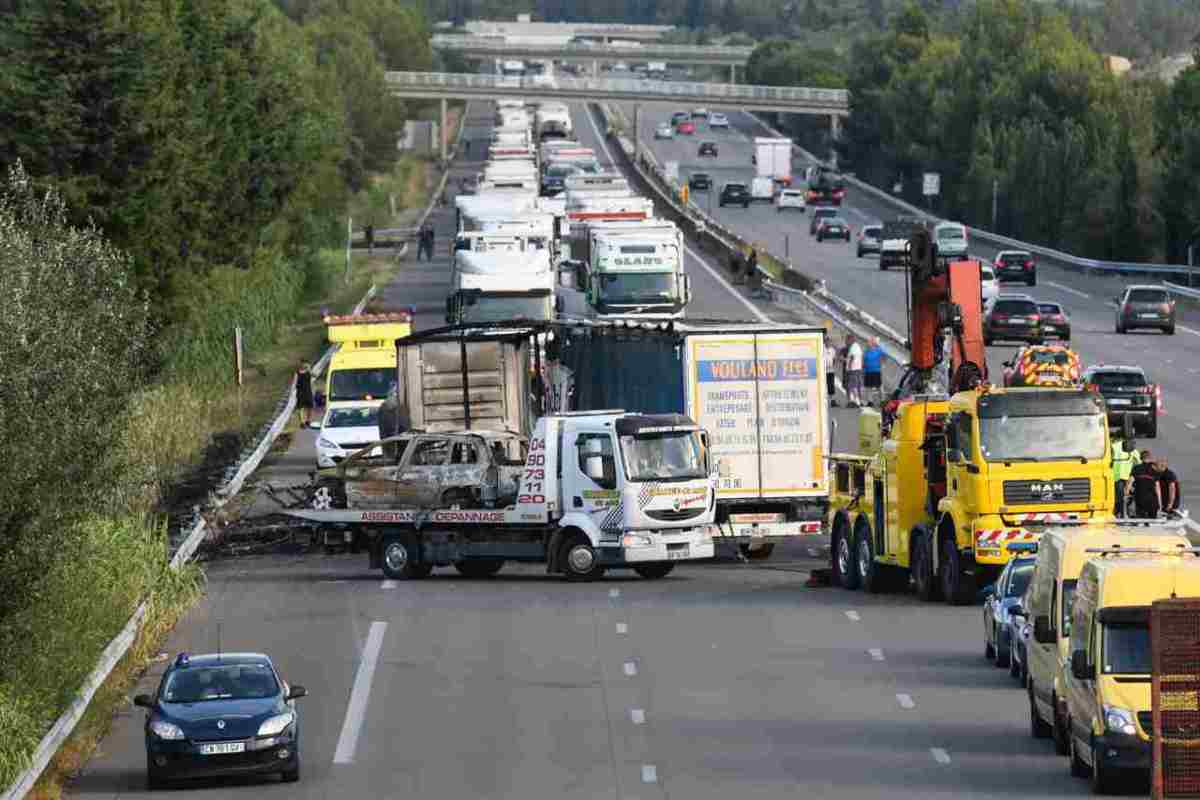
(1042, 632)
(1080, 668)
(296, 692)
(143, 701)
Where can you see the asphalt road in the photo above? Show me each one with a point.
(723, 680)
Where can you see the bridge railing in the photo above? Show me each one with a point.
(480, 44)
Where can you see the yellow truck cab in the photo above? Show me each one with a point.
(1062, 553)
(1108, 684)
(363, 368)
(955, 481)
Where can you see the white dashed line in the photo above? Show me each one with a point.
(614, 592)
(356, 711)
(853, 616)
(876, 654)
(905, 701)
(940, 755)
(1191, 426)
(630, 668)
(622, 627)
(1068, 289)
(389, 585)
(638, 716)
(649, 773)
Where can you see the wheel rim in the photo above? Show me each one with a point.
(843, 556)
(322, 499)
(395, 555)
(864, 557)
(581, 558)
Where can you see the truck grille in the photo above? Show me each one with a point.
(675, 516)
(1064, 490)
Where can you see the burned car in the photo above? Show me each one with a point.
(417, 469)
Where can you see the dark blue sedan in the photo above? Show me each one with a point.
(221, 714)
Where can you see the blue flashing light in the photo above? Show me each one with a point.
(181, 660)
(1023, 547)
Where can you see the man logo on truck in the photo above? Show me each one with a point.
(1048, 491)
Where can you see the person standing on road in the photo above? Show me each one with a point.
(1146, 496)
(425, 243)
(369, 232)
(304, 394)
(854, 373)
(1168, 487)
(873, 371)
(830, 372)
(1125, 458)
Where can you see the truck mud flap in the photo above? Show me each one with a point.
(552, 548)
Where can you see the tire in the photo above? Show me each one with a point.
(1152, 429)
(845, 565)
(1003, 654)
(745, 205)
(869, 574)
(1031, 281)
(1118, 328)
(154, 781)
(1062, 737)
(398, 558)
(989, 651)
(1169, 330)
(761, 553)
(654, 572)
(883, 265)
(987, 340)
(1014, 669)
(1101, 778)
(1038, 728)
(291, 775)
(820, 238)
(479, 567)
(860, 253)
(579, 560)
(1078, 768)
(922, 569)
(956, 588)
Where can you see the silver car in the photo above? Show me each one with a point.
(998, 608)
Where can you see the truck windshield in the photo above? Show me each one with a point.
(1126, 650)
(638, 287)
(663, 457)
(361, 384)
(498, 308)
(1042, 438)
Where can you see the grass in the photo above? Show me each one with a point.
(50, 647)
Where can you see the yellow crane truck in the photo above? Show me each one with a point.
(959, 483)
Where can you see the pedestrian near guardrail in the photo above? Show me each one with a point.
(1146, 493)
(1168, 486)
(854, 373)
(873, 372)
(831, 372)
(369, 232)
(1125, 458)
(425, 242)
(304, 393)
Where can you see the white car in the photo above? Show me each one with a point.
(790, 198)
(988, 285)
(664, 131)
(346, 428)
(718, 120)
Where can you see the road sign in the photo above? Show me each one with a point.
(933, 184)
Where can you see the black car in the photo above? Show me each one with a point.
(700, 181)
(1056, 322)
(1016, 266)
(734, 194)
(1126, 390)
(1013, 318)
(222, 714)
(833, 228)
(680, 116)
(1145, 307)
(708, 149)
(820, 215)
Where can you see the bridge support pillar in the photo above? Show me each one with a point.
(442, 132)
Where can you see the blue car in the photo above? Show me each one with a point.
(221, 714)
(998, 609)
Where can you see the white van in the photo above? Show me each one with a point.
(951, 238)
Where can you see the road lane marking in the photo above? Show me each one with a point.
(389, 584)
(622, 627)
(649, 773)
(614, 592)
(1191, 523)
(638, 715)
(905, 701)
(1068, 289)
(1190, 425)
(940, 755)
(853, 616)
(1186, 329)
(630, 668)
(876, 654)
(356, 711)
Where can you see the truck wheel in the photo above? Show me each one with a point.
(1078, 768)
(868, 571)
(1062, 743)
(653, 572)
(1101, 777)
(1003, 654)
(921, 565)
(760, 553)
(1037, 728)
(883, 265)
(1152, 428)
(579, 560)
(1170, 329)
(399, 555)
(956, 585)
(845, 565)
(479, 567)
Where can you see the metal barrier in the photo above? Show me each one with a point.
(672, 53)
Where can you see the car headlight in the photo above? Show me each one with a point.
(635, 539)
(166, 730)
(277, 724)
(1119, 720)
(323, 442)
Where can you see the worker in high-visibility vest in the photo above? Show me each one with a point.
(1125, 458)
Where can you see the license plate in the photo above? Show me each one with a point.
(679, 552)
(222, 748)
(1017, 320)
(1119, 401)
(1148, 316)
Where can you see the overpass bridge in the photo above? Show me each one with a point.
(596, 30)
(595, 54)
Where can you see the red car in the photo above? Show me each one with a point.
(687, 127)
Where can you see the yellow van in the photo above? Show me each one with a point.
(363, 368)
(1062, 552)
(1108, 682)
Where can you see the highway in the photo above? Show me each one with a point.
(723, 680)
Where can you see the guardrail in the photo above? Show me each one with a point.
(795, 99)
(675, 53)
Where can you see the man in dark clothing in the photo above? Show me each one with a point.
(425, 243)
(1168, 486)
(1146, 497)
(370, 234)
(304, 394)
